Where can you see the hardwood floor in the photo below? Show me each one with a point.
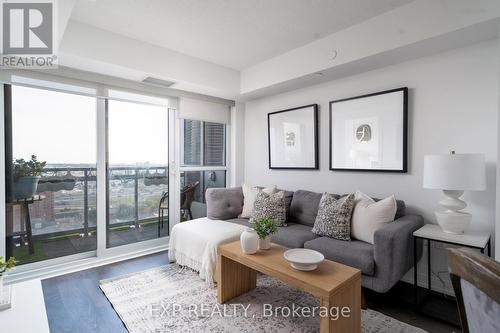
(398, 303)
(76, 304)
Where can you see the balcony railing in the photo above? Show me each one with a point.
(70, 198)
(64, 213)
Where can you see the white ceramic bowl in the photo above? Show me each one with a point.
(304, 259)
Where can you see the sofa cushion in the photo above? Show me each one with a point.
(288, 199)
(400, 210)
(334, 217)
(304, 207)
(249, 195)
(241, 221)
(400, 204)
(293, 236)
(224, 203)
(368, 216)
(353, 253)
(270, 206)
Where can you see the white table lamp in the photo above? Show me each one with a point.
(454, 173)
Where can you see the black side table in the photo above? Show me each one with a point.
(433, 233)
(26, 219)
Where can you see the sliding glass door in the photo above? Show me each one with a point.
(137, 172)
(54, 206)
(50, 174)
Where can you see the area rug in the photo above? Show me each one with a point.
(175, 299)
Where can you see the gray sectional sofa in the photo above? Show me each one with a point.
(382, 264)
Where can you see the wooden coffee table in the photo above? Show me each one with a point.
(337, 285)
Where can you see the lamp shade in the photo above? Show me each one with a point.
(455, 172)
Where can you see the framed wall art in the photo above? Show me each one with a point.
(293, 138)
(369, 132)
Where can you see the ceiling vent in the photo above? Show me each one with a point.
(158, 82)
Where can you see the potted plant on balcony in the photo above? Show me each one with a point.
(26, 177)
(5, 265)
(264, 228)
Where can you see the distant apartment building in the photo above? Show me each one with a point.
(204, 144)
(44, 209)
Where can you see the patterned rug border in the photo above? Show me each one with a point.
(125, 276)
(117, 312)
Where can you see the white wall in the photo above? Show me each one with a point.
(237, 162)
(453, 105)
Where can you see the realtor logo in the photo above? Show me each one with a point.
(28, 34)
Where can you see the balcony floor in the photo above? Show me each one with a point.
(49, 248)
(134, 235)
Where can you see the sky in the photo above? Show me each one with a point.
(61, 128)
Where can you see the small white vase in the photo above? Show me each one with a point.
(1, 286)
(249, 241)
(265, 244)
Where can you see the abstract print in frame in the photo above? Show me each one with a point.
(369, 132)
(293, 138)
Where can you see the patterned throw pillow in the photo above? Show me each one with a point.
(271, 206)
(249, 194)
(334, 217)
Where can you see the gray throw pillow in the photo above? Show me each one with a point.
(334, 217)
(271, 206)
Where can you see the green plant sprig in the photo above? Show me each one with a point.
(265, 227)
(6, 265)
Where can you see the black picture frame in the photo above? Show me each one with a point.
(404, 140)
(316, 141)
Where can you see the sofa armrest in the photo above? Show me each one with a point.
(224, 203)
(393, 250)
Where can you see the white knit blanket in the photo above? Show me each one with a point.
(194, 244)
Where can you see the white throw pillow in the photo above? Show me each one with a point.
(249, 194)
(369, 216)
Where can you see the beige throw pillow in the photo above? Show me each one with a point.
(369, 216)
(249, 194)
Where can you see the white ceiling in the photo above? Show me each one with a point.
(232, 33)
